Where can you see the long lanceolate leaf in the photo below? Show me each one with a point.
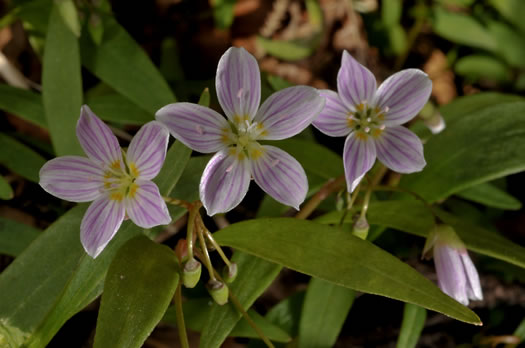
(336, 256)
(62, 85)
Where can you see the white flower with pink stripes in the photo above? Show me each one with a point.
(119, 183)
(371, 119)
(239, 156)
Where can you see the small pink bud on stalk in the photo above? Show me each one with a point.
(191, 273)
(218, 291)
(229, 273)
(361, 228)
(457, 275)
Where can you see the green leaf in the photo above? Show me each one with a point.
(223, 13)
(139, 286)
(473, 103)
(69, 15)
(413, 217)
(255, 275)
(412, 325)
(204, 99)
(475, 148)
(122, 64)
(174, 165)
(512, 10)
(19, 158)
(462, 29)
(315, 14)
(341, 258)
(291, 50)
(15, 237)
(520, 332)
(117, 108)
(196, 312)
(490, 196)
(325, 308)
(391, 11)
(60, 279)
(23, 103)
(315, 158)
(478, 66)
(510, 43)
(6, 191)
(62, 85)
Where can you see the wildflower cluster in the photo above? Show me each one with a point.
(119, 181)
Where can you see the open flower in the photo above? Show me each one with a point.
(457, 275)
(371, 119)
(239, 156)
(119, 185)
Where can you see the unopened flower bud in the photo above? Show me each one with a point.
(361, 228)
(229, 273)
(191, 273)
(457, 275)
(436, 123)
(218, 291)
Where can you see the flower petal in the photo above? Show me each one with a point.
(196, 126)
(238, 83)
(97, 140)
(280, 176)
(224, 182)
(73, 178)
(359, 156)
(449, 269)
(288, 112)
(404, 94)
(333, 119)
(100, 223)
(147, 150)
(400, 150)
(355, 83)
(145, 206)
(473, 285)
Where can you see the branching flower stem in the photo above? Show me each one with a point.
(329, 187)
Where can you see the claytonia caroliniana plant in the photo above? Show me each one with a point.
(119, 183)
(239, 156)
(457, 275)
(371, 119)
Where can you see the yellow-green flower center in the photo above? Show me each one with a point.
(120, 183)
(242, 136)
(367, 120)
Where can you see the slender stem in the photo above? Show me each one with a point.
(181, 326)
(217, 247)
(411, 38)
(313, 203)
(246, 316)
(177, 202)
(191, 226)
(250, 321)
(206, 256)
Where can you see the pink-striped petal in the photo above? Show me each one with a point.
(400, 150)
(97, 140)
(359, 156)
(100, 223)
(224, 182)
(73, 178)
(403, 94)
(238, 83)
(355, 83)
(449, 269)
(473, 285)
(288, 112)
(145, 206)
(280, 176)
(147, 150)
(198, 127)
(334, 118)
